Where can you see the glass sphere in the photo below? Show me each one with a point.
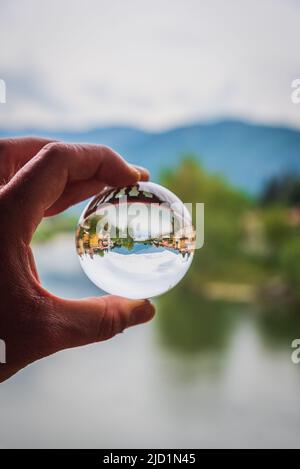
(137, 241)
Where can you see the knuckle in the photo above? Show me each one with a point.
(110, 323)
(104, 324)
(114, 322)
(106, 149)
(120, 322)
(110, 154)
(55, 151)
(52, 147)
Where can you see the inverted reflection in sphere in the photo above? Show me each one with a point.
(137, 241)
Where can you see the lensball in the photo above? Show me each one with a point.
(137, 241)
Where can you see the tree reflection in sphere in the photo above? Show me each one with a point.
(136, 241)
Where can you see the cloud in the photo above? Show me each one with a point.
(75, 63)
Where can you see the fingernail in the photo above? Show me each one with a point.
(138, 174)
(143, 171)
(142, 313)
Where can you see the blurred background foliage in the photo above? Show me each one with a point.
(250, 259)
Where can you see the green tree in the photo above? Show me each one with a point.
(290, 263)
(224, 209)
(282, 190)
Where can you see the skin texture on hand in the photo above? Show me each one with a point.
(40, 178)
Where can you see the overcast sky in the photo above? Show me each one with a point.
(155, 64)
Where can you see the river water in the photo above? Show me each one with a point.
(197, 376)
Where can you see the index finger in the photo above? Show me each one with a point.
(44, 181)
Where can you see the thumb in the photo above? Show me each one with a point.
(81, 322)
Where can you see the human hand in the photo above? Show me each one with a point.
(40, 178)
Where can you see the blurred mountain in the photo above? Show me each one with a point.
(245, 153)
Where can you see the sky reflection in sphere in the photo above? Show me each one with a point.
(136, 242)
